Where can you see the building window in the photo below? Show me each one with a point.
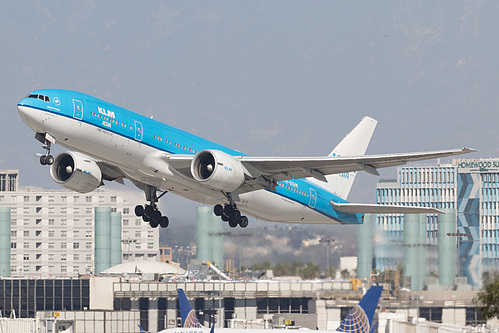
(88, 257)
(76, 257)
(26, 245)
(26, 198)
(125, 222)
(88, 198)
(113, 198)
(76, 198)
(88, 221)
(64, 210)
(137, 234)
(64, 233)
(13, 233)
(76, 233)
(150, 245)
(64, 222)
(76, 210)
(13, 245)
(51, 256)
(88, 233)
(51, 210)
(89, 210)
(51, 245)
(126, 210)
(26, 221)
(88, 245)
(51, 222)
(51, 198)
(26, 233)
(13, 222)
(150, 233)
(76, 245)
(51, 233)
(64, 245)
(63, 256)
(64, 198)
(101, 198)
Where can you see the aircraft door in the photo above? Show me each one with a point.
(313, 198)
(78, 109)
(138, 131)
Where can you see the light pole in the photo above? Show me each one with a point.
(328, 242)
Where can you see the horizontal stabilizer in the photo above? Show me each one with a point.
(355, 208)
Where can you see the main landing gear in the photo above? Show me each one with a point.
(46, 140)
(230, 213)
(150, 213)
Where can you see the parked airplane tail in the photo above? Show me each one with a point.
(353, 144)
(188, 315)
(360, 318)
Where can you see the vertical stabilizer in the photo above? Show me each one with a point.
(353, 144)
(360, 318)
(188, 315)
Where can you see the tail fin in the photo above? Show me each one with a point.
(360, 318)
(353, 144)
(188, 315)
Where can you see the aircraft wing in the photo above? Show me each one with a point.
(282, 168)
(275, 169)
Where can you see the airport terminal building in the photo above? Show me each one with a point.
(468, 188)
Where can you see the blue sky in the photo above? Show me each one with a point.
(269, 78)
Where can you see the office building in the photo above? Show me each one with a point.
(52, 232)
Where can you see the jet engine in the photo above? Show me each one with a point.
(217, 170)
(76, 172)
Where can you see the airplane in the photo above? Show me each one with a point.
(359, 319)
(110, 143)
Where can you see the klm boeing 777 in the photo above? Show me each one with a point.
(110, 143)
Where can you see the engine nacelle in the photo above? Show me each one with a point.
(217, 170)
(76, 172)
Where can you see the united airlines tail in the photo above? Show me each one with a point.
(360, 319)
(188, 315)
(353, 144)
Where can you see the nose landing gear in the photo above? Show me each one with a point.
(47, 140)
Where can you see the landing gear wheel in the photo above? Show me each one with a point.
(149, 210)
(153, 224)
(232, 223)
(43, 160)
(156, 216)
(146, 218)
(49, 159)
(228, 210)
(139, 210)
(225, 218)
(243, 222)
(218, 210)
(163, 222)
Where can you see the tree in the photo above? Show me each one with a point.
(488, 299)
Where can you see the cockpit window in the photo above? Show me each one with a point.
(42, 97)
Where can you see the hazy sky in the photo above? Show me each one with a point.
(286, 78)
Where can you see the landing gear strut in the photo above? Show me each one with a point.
(150, 213)
(46, 140)
(230, 213)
